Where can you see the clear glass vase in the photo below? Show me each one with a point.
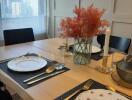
(82, 51)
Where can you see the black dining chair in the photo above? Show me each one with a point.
(4, 93)
(15, 36)
(119, 43)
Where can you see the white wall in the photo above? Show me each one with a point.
(118, 12)
(60, 9)
(1, 35)
(122, 18)
(102, 4)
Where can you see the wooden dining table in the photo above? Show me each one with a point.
(55, 86)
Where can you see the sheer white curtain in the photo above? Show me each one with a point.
(24, 13)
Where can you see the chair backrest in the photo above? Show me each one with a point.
(119, 43)
(15, 36)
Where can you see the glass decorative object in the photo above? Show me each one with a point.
(82, 51)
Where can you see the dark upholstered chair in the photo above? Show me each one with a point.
(4, 93)
(15, 36)
(119, 43)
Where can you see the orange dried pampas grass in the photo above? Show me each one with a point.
(87, 23)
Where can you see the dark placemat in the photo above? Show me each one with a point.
(94, 56)
(20, 76)
(95, 85)
(97, 56)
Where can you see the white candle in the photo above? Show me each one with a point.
(106, 45)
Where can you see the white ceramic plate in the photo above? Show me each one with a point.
(95, 49)
(27, 64)
(100, 94)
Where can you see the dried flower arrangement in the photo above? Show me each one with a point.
(87, 23)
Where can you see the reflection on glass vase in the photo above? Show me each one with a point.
(82, 51)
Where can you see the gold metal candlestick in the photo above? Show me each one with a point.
(104, 62)
(104, 68)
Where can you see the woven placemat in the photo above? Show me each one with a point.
(119, 81)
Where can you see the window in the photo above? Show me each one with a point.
(21, 8)
(15, 14)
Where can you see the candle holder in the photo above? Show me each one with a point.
(66, 45)
(65, 49)
(105, 66)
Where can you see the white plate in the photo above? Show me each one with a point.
(95, 49)
(27, 64)
(100, 94)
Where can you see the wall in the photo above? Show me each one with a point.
(60, 9)
(102, 4)
(1, 36)
(118, 12)
(122, 18)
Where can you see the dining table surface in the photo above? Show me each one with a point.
(55, 86)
